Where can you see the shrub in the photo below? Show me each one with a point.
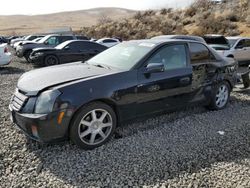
(248, 19)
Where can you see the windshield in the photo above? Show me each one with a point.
(123, 56)
(232, 42)
(27, 37)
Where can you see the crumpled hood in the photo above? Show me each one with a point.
(36, 80)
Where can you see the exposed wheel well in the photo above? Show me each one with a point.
(53, 56)
(232, 56)
(229, 83)
(27, 52)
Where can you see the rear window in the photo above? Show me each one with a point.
(199, 53)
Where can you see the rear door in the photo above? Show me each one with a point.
(169, 89)
(247, 50)
(203, 70)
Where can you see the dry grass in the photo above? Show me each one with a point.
(21, 24)
(200, 18)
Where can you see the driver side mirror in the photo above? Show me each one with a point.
(154, 68)
(46, 42)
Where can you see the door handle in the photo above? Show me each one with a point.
(185, 80)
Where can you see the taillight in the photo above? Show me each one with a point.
(6, 50)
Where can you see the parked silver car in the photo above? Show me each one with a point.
(234, 47)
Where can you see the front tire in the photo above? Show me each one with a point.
(93, 125)
(220, 96)
(51, 60)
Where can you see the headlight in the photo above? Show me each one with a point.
(46, 101)
(38, 54)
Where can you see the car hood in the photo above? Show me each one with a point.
(29, 42)
(32, 82)
(44, 49)
(216, 40)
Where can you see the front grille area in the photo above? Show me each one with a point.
(18, 100)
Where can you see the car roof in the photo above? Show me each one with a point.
(70, 41)
(213, 35)
(161, 41)
(238, 37)
(183, 37)
(106, 39)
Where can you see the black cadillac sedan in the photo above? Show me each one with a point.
(69, 51)
(87, 101)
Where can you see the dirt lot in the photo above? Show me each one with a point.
(190, 148)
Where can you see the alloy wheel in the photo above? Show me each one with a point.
(95, 127)
(222, 96)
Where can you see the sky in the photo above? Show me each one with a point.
(33, 7)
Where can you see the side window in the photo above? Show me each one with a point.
(199, 53)
(240, 44)
(32, 37)
(247, 43)
(65, 38)
(173, 57)
(94, 47)
(74, 46)
(53, 41)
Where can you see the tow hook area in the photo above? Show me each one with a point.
(243, 80)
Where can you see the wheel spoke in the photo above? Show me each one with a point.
(85, 133)
(104, 125)
(92, 138)
(104, 114)
(101, 133)
(93, 115)
(84, 122)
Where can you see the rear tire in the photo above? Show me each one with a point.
(93, 125)
(51, 60)
(220, 96)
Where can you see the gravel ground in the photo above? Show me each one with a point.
(190, 148)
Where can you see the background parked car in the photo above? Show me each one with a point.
(217, 42)
(234, 47)
(239, 49)
(184, 37)
(69, 51)
(16, 44)
(27, 38)
(25, 49)
(109, 42)
(5, 55)
(12, 38)
(3, 40)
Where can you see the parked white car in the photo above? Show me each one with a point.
(25, 41)
(27, 38)
(240, 49)
(109, 42)
(5, 55)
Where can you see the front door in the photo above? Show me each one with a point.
(169, 89)
(242, 51)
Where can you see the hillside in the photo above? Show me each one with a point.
(202, 17)
(22, 24)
